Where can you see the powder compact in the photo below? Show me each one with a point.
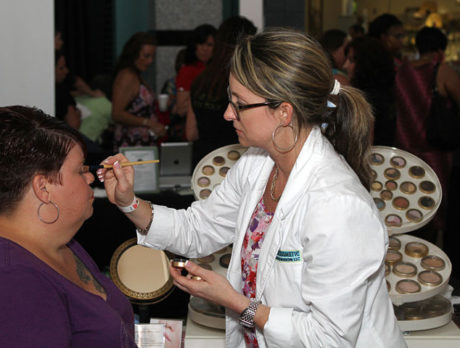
(213, 168)
(415, 269)
(405, 189)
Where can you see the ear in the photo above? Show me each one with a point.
(286, 113)
(40, 186)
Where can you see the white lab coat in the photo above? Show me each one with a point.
(321, 263)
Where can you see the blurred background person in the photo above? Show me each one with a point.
(205, 125)
(198, 52)
(371, 69)
(334, 42)
(133, 101)
(51, 292)
(355, 31)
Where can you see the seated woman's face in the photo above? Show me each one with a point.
(145, 57)
(73, 194)
(350, 63)
(204, 50)
(60, 70)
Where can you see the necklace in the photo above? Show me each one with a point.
(272, 187)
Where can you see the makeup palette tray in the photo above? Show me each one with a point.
(408, 193)
(213, 168)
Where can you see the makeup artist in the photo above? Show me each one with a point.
(307, 268)
(51, 291)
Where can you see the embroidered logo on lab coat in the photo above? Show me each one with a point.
(288, 256)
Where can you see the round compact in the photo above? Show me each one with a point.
(376, 186)
(393, 256)
(416, 249)
(398, 161)
(391, 185)
(427, 187)
(213, 168)
(408, 286)
(141, 273)
(179, 263)
(392, 174)
(408, 187)
(433, 263)
(404, 269)
(377, 159)
(401, 203)
(380, 204)
(224, 260)
(409, 184)
(393, 220)
(394, 243)
(430, 271)
(429, 278)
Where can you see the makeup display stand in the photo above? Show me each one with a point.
(408, 193)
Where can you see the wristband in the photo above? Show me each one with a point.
(130, 208)
(247, 316)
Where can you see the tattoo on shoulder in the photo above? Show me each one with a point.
(86, 276)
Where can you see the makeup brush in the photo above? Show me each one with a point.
(93, 167)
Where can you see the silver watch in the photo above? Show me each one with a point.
(247, 316)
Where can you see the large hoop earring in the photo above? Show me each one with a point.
(284, 149)
(44, 221)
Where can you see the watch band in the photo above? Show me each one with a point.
(247, 316)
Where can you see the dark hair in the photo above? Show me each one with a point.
(374, 65)
(380, 25)
(132, 49)
(214, 79)
(283, 65)
(430, 40)
(31, 143)
(199, 35)
(331, 40)
(357, 28)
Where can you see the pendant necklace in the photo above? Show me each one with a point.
(272, 187)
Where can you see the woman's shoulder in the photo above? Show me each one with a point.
(127, 75)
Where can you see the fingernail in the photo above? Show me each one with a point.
(99, 172)
(101, 178)
(116, 164)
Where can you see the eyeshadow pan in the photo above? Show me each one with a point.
(408, 286)
(206, 259)
(394, 243)
(392, 173)
(233, 155)
(224, 260)
(401, 203)
(373, 174)
(376, 186)
(408, 187)
(398, 162)
(386, 195)
(426, 202)
(416, 249)
(203, 181)
(433, 263)
(393, 220)
(377, 158)
(218, 160)
(404, 269)
(429, 278)
(379, 203)
(205, 266)
(205, 193)
(416, 172)
(208, 170)
(391, 185)
(427, 187)
(393, 256)
(223, 171)
(414, 215)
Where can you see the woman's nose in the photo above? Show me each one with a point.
(229, 114)
(89, 178)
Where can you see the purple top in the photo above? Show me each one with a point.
(41, 308)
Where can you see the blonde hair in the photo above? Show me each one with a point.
(283, 65)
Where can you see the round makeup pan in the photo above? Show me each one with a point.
(213, 168)
(418, 269)
(405, 189)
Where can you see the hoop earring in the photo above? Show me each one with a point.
(44, 221)
(284, 149)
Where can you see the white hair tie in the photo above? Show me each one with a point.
(336, 88)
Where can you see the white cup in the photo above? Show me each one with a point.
(163, 102)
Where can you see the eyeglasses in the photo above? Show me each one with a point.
(237, 108)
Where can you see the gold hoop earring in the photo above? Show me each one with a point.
(284, 149)
(44, 221)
